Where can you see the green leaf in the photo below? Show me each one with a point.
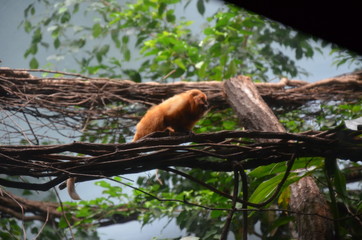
(133, 75)
(56, 43)
(76, 8)
(55, 31)
(274, 168)
(104, 49)
(62, 10)
(161, 8)
(209, 31)
(37, 36)
(170, 16)
(140, 40)
(114, 36)
(125, 39)
(27, 9)
(341, 62)
(83, 212)
(216, 214)
(298, 53)
(27, 26)
(126, 54)
(96, 30)
(357, 109)
(284, 198)
(103, 184)
(64, 223)
(80, 43)
(231, 71)
(228, 125)
(215, 49)
(201, 7)
(180, 63)
(267, 188)
(32, 10)
(34, 63)
(65, 17)
(340, 182)
(359, 207)
(178, 73)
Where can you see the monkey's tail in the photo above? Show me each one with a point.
(71, 189)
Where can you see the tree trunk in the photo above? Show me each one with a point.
(305, 197)
(255, 114)
(250, 107)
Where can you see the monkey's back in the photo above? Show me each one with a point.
(178, 113)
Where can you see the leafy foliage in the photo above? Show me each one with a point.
(233, 42)
(342, 57)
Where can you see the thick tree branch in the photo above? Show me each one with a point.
(72, 102)
(20, 89)
(210, 153)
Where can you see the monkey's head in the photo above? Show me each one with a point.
(200, 100)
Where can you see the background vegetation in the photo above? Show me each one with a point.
(149, 40)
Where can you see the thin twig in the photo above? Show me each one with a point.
(22, 212)
(42, 227)
(229, 218)
(31, 129)
(64, 214)
(330, 161)
(244, 180)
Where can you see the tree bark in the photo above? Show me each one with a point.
(305, 197)
(254, 113)
(19, 89)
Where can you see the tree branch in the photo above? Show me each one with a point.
(30, 210)
(210, 153)
(19, 87)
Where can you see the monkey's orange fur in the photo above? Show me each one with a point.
(177, 114)
(71, 189)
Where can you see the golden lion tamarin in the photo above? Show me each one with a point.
(176, 114)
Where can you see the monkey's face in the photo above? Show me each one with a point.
(200, 100)
(203, 103)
